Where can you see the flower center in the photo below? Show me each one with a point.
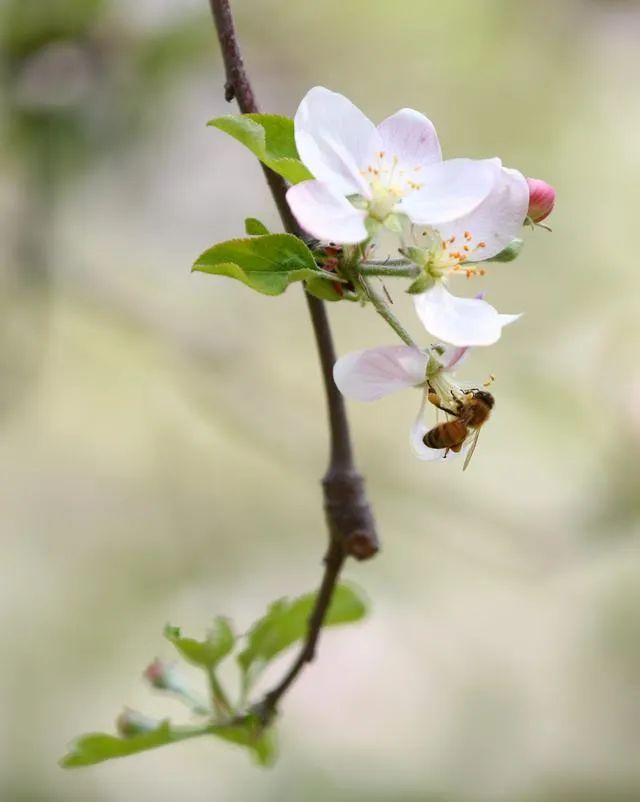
(389, 183)
(451, 255)
(447, 391)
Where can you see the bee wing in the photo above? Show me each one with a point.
(472, 448)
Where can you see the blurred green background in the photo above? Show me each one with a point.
(163, 433)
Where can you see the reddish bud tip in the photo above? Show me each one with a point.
(157, 675)
(542, 199)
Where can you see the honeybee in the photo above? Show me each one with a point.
(471, 413)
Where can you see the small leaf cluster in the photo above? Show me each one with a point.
(238, 721)
(268, 262)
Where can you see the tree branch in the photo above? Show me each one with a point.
(349, 518)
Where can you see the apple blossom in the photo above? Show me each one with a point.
(367, 176)
(376, 372)
(454, 249)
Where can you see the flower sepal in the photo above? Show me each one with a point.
(510, 253)
(423, 283)
(395, 223)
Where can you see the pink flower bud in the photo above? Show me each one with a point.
(159, 675)
(542, 198)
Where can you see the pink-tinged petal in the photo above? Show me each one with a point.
(542, 199)
(335, 140)
(326, 214)
(418, 431)
(459, 321)
(411, 138)
(496, 222)
(450, 190)
(376, 372)
(453, 356)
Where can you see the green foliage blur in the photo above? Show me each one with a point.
(163, 432)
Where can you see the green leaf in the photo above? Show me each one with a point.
(286, 622)
(249, 733)
(323, 289)
(270, 138)
(208, 653)
(254, 228)
(97, 747)
(268, 263)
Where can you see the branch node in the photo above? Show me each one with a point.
(349, 515)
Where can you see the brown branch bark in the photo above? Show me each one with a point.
(350, 521)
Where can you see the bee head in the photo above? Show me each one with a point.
(484, 397)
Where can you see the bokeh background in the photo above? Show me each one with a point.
(162, 433)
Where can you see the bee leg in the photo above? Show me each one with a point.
(434, 399)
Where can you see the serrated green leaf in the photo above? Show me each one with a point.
(286, 622)
(323, 289)
(254, 227)
(97, 747)
(219, 642)
(270, 138)
(268, 263)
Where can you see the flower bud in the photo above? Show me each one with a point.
(131, 722)
(162, 676)
(542, 198)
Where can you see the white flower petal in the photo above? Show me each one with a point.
(450, 190)
(459, 321)
(326, 214)
(411, 138)
(376, 372)
(418, 431)
(496, 221)
(335, 140)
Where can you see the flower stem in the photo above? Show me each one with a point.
(399, 269)
(218, 696)
(382, 308)
(387, 262)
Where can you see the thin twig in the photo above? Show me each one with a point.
(382, 308)
(349, 518)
